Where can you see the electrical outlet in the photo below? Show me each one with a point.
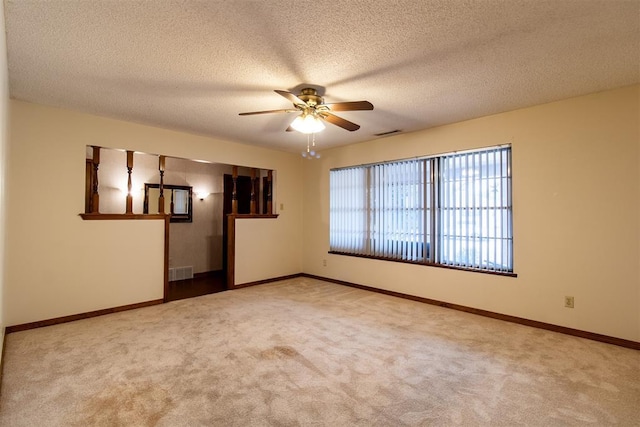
(281, 206)
(568, 302)
(324, 262)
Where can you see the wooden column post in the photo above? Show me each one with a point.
(161, 188)
(253, 191)
(95, 197)
(129, 185)
(231, 251)
(269, 192)
(234, 192)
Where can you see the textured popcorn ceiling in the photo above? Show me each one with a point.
(194, 65)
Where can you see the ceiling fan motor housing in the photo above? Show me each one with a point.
(310, 97)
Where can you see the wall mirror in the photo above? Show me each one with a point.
(177, 201)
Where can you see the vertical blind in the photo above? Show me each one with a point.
(452, 210)
(396, 214)
(349, 207)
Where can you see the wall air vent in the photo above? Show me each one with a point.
(180, 273)
(391, 132)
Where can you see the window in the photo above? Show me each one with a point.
(452, 210)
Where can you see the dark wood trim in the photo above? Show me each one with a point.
(231, 251)
(95, 196)
(269, 192)
(165, 267)
(161, 162)
(504, 317)
(129, 204)
(252, 196)
(427, 264)
(99, 216)
(262, 282)
(4, 346)
(73, 317)
(507, 318)
(88, 186)
(234, 190)
(255, 216)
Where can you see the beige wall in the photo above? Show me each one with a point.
(576, 195)
(58, 265)
(576, 182)
(4, 113)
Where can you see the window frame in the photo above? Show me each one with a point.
(433, 201)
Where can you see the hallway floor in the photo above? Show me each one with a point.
(210, 284)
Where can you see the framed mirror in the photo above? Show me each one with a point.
(177, 200)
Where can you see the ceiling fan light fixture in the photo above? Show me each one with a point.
(307, 123)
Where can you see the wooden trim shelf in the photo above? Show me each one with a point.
(255, 216)
(101, 216)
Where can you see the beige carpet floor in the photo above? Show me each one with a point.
(307, 352)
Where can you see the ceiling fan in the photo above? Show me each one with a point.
(313, 111)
